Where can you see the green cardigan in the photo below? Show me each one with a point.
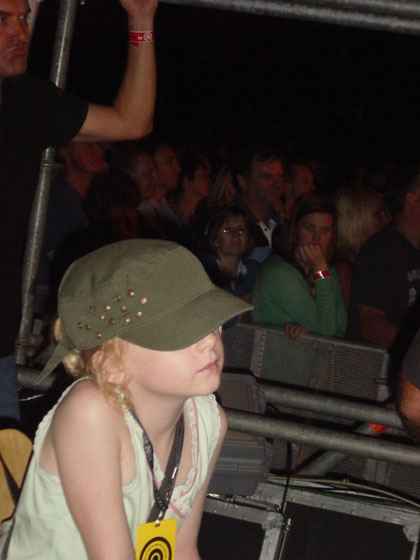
(281, 295)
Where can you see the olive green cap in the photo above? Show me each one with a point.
(155, 294)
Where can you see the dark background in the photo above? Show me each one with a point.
(318, 89)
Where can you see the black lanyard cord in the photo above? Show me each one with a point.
(163, 494)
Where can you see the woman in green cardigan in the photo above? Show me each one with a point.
(296, 288)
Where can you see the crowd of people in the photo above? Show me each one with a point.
(343, 264)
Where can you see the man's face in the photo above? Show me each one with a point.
(200, 185)
(145, 175)
(265, 182)
(303, 180)
(167, 167)
(87, 157)
(14, 37)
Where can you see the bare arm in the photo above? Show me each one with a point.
(375, 326)
(131, 116)
(88, 448)
(186, 540)
(409, 407)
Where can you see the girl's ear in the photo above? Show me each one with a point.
(108, 367)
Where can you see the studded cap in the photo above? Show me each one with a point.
(152, 293)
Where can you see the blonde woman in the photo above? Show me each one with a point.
(360, 214)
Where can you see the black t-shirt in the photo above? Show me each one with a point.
(411, 362)
(33, 115)
(386, 276)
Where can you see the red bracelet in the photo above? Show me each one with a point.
(137, 37)
(320, 275)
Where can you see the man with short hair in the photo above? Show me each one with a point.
(145, 174)
(135, 159)
(386, 275)
(259, 173)
(299, 181)
(34, 115)
(167, 166)
(165, 171)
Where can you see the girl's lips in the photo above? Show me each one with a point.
(208, 367)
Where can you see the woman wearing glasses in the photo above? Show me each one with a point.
(229, 242)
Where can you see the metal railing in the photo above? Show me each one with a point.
(342, 442)
(385, 15)
(36, 228)
(324, 438)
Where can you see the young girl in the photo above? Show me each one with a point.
(139, 325)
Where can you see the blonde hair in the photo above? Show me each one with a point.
(79, 363)
(354, 210)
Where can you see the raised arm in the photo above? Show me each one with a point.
(131, 115)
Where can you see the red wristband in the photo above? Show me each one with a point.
(320, 275)
(137, 37)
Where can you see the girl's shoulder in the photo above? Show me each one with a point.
(85, 402)
(83, 419)
(82, 389)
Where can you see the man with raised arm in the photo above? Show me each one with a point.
(34, 115)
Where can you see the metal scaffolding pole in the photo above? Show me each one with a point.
(352, 444)
(385, 15)
(35, 236)
(325, 462)
(332, 405)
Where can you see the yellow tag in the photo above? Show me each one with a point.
(156, 541)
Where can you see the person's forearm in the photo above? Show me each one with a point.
(131, 115)
(135, 101)
(408, 406)
(412, 425)
(376, 328)
(326, 307)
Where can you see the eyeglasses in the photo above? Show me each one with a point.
(233, 231)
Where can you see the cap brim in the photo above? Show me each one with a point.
(64, 347)
(193, 320)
